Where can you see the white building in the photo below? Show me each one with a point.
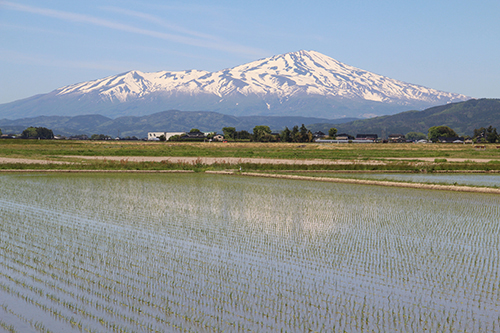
(218, 137)
(155, 136)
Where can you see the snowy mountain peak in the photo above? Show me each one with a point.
(305, 83)
(290, 74)
(131, 85)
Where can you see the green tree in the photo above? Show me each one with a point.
(295, 134)
(38, 132)
(332, 132)
(45, 133)
(303, 132)
(242, 135)
(479, 133)
(30, 132)
(491, 134)
(229, 132)
(415, 136)
(162, 138)
(175, 138)
(0, 132)
(194, 130)
(260, 131)
(438, 131)
(285, 135)
(309, 136)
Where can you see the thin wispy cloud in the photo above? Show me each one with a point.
(156, 20)
(96, 21)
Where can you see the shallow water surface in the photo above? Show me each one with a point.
(471, 179)
(177, 252)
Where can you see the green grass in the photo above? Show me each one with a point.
(36, 148)
(439, 154)
(197, 166)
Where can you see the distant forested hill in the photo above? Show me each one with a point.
(172, 120)
(463, 117)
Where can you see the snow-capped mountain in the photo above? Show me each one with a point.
(305, 83)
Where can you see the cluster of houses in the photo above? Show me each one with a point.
(360, 138)
(394, 138)
(318, 137)
(155, 136)
(456, 139)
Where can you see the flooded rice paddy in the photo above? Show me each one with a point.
(212, 253)
(468, 179)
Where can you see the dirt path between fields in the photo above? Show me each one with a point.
(234, 160)
(448, 159)
(238, 160)
(228, 160)
(4, 160)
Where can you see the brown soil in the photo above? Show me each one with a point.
(431, 159)
(232, 160)
(4, 160)
(228, 160)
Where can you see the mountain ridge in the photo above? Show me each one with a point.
(302, 83)
(463, 117)
(171, 120)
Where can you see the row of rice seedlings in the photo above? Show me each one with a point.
(59, 289)
(22, 323)
(304, 258)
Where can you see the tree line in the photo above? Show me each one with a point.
(263, 133)
(38, 133)
(481, 135)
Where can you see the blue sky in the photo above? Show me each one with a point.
(452, 46)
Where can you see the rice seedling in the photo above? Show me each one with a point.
(208, 253)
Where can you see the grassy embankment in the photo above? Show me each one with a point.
(362, 157)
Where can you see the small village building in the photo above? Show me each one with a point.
(344, 136)
(193, 135)
(79, 137)
(155, 136)
(369, 137)
(397, 138)
(218, 137)
(319, 135)
(455, 139)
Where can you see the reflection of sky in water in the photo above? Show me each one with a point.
(460, 179)
(184, 246)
